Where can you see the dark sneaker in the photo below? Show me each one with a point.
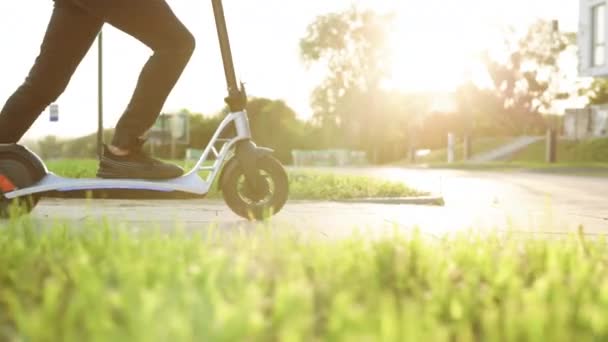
(136, 165)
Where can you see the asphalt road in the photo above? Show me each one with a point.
(528, 203)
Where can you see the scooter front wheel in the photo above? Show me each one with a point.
(269, 197)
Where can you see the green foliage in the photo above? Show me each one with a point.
(597, 92)
(483, 112)
(527, 82)
(52, 147)
(524, 83)
(202, 129)
(355, 111)
(275, 125)
(352, 45)
(94, 283)
(49, 147)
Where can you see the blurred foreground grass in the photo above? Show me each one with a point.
(95, 283)
(304, 185)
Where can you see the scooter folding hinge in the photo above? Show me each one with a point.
(237, 99)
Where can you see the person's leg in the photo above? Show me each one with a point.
(153, 23)
(69, 36)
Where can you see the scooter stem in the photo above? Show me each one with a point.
(237, 98)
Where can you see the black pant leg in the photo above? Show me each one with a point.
(69, 36)
(153, 23)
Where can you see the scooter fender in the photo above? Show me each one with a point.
(247, 154)
(22, 154)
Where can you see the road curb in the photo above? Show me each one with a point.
(426, 200)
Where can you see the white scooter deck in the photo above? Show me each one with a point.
(190, 183)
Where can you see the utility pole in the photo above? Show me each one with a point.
(555, 26)
(451, 148)
(551, 139)
(100, 94)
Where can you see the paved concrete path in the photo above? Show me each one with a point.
(525, 202)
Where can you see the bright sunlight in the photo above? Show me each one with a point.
(436, 45)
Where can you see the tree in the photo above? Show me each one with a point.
(597, 92)
(274, 124)
(202, 129)
(526, 83)
(352, 47)
(50, 147)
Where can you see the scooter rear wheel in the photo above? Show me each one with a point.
(271, 195)
(15, 175)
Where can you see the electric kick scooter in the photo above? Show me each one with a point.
(253, 183)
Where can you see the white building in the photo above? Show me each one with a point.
(591, 122)
(592, 42)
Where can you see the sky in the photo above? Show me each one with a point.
(265, 38)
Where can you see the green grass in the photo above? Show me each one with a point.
(578, 158)
(304, 185)
(81, 168)
(307, 185)
(99, 284)
(584, 158)
(536, 153)
(594, 151)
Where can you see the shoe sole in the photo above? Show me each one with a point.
(117, 170)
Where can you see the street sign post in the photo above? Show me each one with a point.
(100, 94)
(54, 112)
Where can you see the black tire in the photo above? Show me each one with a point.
(21, 177)
(261, 206)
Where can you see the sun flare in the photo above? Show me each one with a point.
(435, 50)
